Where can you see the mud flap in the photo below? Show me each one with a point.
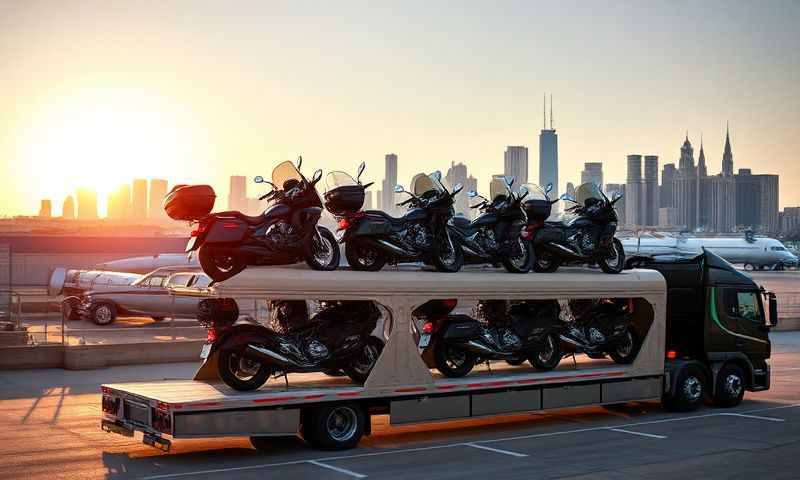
(209, 370)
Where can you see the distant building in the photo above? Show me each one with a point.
(722, 193)
(45, 209)
(119, 203)
(548, 154)
(515, 164)
(158, 190)
(634, 211)
(616, 188)
(378, 200)
(68, 208)
(87, 204)
(649, 191)
(790, 219)
(665, 191)
(667, 217)
(389, 181)
(756, 201)
(684, 188)
(592, 173)
(237, 194)
(367, 200)
(570, 190)
(139, 199)
(457, 173)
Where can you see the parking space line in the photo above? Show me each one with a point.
(337, 469)
(496, 450)
(755, 417)
(649, 435)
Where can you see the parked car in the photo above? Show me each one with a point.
(147, 297)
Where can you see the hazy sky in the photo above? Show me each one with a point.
(95, 93)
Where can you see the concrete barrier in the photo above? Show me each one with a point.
(83, 357)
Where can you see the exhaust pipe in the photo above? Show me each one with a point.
(558, 248)
(270, 356)
(571, 341)
(393, 248)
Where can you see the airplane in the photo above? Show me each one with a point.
(751, 251)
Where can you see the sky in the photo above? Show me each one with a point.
(95, 93)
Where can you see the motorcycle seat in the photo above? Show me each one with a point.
(386, 216)
(250, 220)
(461, 222)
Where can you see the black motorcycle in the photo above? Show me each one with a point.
(373, 238)
(525, 330)
(337, 338)
(285, 233)
(585, 236)
(494, 236)
(602, 327)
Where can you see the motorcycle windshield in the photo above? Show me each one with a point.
(535, 192)
(339, 179)
(284, 172)
(423, 184)
(587, 191)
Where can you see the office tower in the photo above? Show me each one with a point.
(139, 199)
(254, 206)
(68, 208)
(379, 200)
(45, 209)
(119, 202)
(665, 191)
(650, 193)
(722, 194)
(457, 173)
(611, 190)
(158, 190)
(548, 154)
(667, 217)
(237, 194)
(515, 164)
(87, 204)
(367, 200)
(633, 191)
(592, 173)
(756, 201)
(389, 181)
(790, 219)
(684, 188)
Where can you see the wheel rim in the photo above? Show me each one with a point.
(224, 263)
(692, 388)
(102, 314)
(364, 362)
(450, 251)
(243, 368)
(455, 359)
(625, 347)
(342, 424)
(323, 250)
(733, 385)
(614, 261)
(520, 260)
(547, 353)
(366, 256)
(544, 262)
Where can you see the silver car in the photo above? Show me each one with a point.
(148, 296)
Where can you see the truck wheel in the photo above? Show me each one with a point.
(337, 426)
(730, 386)
(241, 373)
(104, 314)
(452, 362)
(550, 354)
(688, 393)
(627, 348)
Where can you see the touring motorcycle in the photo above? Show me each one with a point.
(584, 235)
(494, 236)
(337, 338)
(287, 232)
(511, 331)
(373, 238)
(602, 327)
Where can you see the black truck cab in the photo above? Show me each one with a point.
(717, 332)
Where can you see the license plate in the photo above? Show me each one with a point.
(424, 340)
(205, 351)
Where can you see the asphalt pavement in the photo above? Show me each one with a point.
(49, 428)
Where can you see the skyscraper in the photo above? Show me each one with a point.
(515, 164)
(684, 188)
(633, 191)
(665, 191)
(592, 173)
(722, 197)
(650, 193)
(45, 209)
(87, 204)
(457, 173)
(389, 181)
(158, 190)
(548, 153)
(611, 190)
(139, 199)
(237, 195)
(756, 201)
(68, 208)
(727, 155)
(119, 202)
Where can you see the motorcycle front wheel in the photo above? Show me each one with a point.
(521, 263)
(220, 263)
(627, 348)
(362, 364)
(362, 256)
(616, 262)
(452, 362)
(241, 373)
(323, 251)
(449, 256)
(549, 356)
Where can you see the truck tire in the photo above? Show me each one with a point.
(104, 314)
(688, 393)
(336, 426)
(730, 386)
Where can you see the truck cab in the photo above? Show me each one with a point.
(717, 331)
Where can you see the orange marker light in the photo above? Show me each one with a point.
(672, 355)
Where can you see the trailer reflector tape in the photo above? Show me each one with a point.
(410, 389)
(489, 384)
(273, 399)
(348, 394)
(314, 397)
(446, 387)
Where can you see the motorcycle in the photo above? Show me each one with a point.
(602, 327)
(286, 233)
(585, 236)
(526, 330)
(373, 238)
(494, 236)
(337, 338)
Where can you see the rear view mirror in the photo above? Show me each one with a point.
(548, 188)
(299, 161)
(437, 175)
(399, 189)
(317, 175)
(773, 309)
(457, 188)
(361, 169)
(568, 197)
(472, 194)
(259, 179)
(509, 180)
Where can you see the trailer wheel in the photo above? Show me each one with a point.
(688, 393)
(337, 426)
(730, 386)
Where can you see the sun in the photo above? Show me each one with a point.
(101, 138)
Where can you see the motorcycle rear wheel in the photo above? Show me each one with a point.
(241, 373)
(550, 356)
(452, 362)
(323, 257)
(220, 263)
(523, 262)
(362, 364)
(616, 263)
(364, 257)
(625, 351)
(546, 263)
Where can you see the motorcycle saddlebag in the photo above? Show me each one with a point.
(537, 209)
(189, 202)
(462, 329)
(544, 235)
(345, 199)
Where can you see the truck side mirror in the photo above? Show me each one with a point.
(773, 309)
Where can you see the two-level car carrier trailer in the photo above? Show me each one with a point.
(333, 413)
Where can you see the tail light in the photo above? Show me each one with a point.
(672, 355)
(428, 327)
(162, 420)
(110, 404)
(631, 303)
(527, 232)
(211, 336)
(344, 224)
(202, 227)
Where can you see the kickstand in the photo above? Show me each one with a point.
(286, 380)
(489, 365)
(574, 362)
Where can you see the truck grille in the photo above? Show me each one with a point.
(137, 413)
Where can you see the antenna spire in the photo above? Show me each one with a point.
(551, 111)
